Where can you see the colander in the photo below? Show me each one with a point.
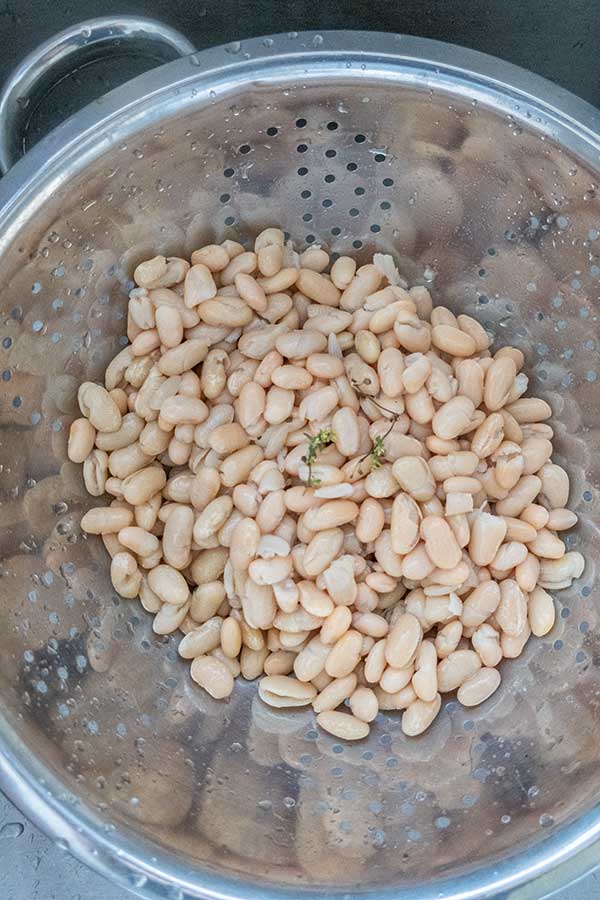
(481, 180)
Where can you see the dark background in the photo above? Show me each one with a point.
(559, 39)
(556, 38)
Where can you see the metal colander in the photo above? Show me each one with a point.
(479, 180)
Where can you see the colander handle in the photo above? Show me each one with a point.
(61, 53)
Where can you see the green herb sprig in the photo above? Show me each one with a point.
(316, 443)
(377, 454)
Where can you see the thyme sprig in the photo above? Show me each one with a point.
(316, 443)
(377, 454)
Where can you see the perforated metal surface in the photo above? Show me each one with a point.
(500, 222)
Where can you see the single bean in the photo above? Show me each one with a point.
(419, 715)
(479, 687)
(106, 520)
(343, 725)
(202, 639)
(541, 612)
(213, 675)
(125, 575)
(98, 407)
(283, 691)
(456, 668)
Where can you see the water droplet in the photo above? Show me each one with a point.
(23, 102)
(268, 42)
(234, 47)
(292, 35)
(86, 32)
(137, 880)
(12, 830)
(546, 821)
(317, 40)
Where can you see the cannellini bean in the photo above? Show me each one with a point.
(213, 256)
(558, 571)
(138, 540)
(343, 725)
(322, 550)
(547, 545)
(480, 604)
(106, 520)
(487, 534)
(258, 604)
(82, 436)
(177, 537)
(440, 543)
(270, 571)
(424, 681)
(99, 408)
(479, 687)
(448, 638)
(95, 471)
(414, 476)
(529, 409)
(331, 514)
(236, 468)
(169, 585)
(125, 575)
(381, 482)
(527, 573)
(511, 613)
(555, 486)
(541, 612)
(486, 642)
(212, 675)
(403, 641)
(344, 655)
(453, 418)
(182, 358)
(201, 640)
(499, 380)
(512, 645)
(370, 521)
(560, 519)
(310, 662)
(335, 625)
(363, 704)
(521, 495)
(417, 564)
(419, 715)
(169, 618)
(300, 344)
(284, 691)
(456, 668)
(206, 600)
(280, 662)
(290, 377)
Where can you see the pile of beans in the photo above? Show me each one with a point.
(324, 482)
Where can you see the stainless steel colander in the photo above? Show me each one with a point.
(481, 180)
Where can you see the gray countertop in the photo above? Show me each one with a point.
(557, 39)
